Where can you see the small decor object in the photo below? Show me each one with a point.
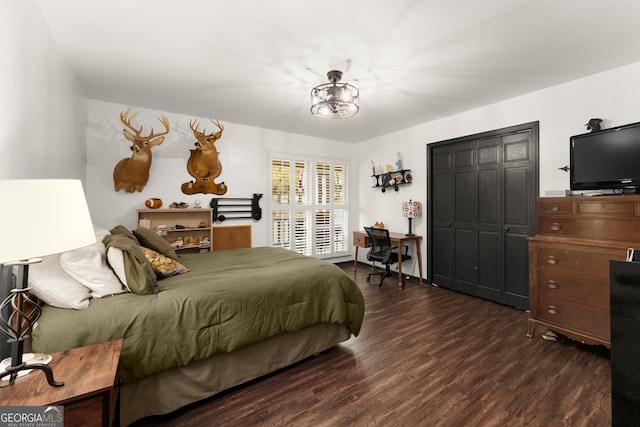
(179, 205)
(153, 203)
(594, 125)
(204, 164)
(197, 204)
(399, 162)
(378, 224)
(410, 210)
(131, 174)
(335, 100)
(144, 222)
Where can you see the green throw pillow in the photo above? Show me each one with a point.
(149, 239)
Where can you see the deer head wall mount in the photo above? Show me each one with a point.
(131, 174)
(204, 164)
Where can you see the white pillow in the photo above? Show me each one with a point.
(52, 285)
(115, 258)
(88, 266)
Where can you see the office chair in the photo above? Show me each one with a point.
(383, 251)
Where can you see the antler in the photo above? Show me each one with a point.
(126, 120)
(203, 134)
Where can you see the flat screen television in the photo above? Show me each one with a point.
(606, 160)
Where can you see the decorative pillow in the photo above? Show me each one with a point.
(49, 282)
(162, 265)
(88, 266)
(140, 277)
(149, 239)
(115, 260)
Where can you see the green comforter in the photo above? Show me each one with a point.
(228, 300)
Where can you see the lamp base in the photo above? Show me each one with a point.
(27, 358)
(410, 233)
(30, 362)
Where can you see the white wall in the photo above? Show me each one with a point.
(42, 106)
(562, 111)
(243, 153)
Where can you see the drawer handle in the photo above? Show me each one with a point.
(552, 260)
(555, 226)
(552, 309)
(555, 208)
(551, 284)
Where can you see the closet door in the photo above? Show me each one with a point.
(442, 179)
(489, 230)
(464, 218)
(520, 188)
(482, 191)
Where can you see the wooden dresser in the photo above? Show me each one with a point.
(569, 262)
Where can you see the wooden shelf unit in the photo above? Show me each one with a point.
(197, 223)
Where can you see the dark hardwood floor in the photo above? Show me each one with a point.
(426, 356)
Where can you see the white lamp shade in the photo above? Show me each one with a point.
(40, 217)
(411, 209)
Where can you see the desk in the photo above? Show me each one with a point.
(361, 240)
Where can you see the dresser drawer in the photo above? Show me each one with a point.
(575, 260)
(581, 318)
(610, 208)
(590, 228)
(568, 285)
(554, 207)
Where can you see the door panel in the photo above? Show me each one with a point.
(465, 260)
(489, 267)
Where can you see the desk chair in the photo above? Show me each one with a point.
(383, 251)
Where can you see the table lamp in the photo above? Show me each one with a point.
(410, 210)
(39, 217)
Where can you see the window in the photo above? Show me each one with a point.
(310, 205)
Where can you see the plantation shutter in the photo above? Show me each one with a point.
(309, 205)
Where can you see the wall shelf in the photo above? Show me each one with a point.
(392, 179)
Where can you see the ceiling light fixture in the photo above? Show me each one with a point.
(335, 100)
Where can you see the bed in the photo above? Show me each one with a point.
(233, 316)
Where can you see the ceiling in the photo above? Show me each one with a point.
(414, 61)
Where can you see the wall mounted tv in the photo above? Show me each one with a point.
(606, 160)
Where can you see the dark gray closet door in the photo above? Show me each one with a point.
(481, 196)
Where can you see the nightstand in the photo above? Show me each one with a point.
(91, 391)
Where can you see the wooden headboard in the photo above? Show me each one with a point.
(230, 237)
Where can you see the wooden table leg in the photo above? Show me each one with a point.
(419, 259)
(400, 284)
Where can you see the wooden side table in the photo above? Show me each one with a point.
(91, 391)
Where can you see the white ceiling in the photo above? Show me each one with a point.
(255, 62)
